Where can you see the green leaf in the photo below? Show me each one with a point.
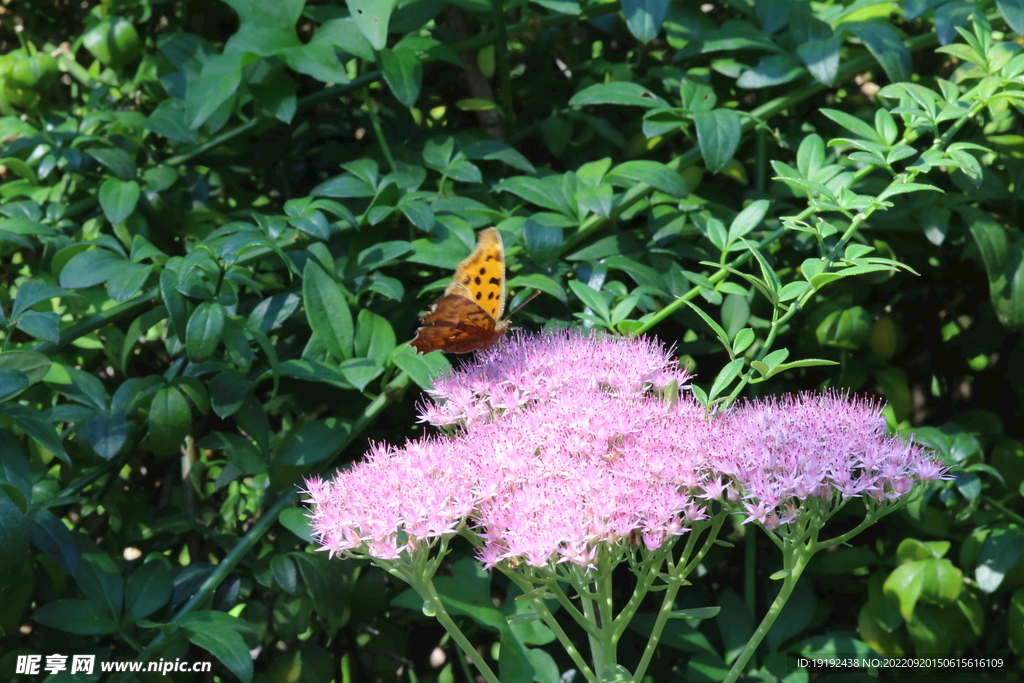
(100, 580)
(933, 580)
(489, 149)
(13, 539)
(195, 391)
(34, 365)
(127, 279)
(854, 125)
(24, 226)
(419, 367)
(296, 521)
(148, 589)
(204, 331)
(793, 290)
(821, 57)
(655, 174)
(592, 299)
(12, 383)
(216, 85)
(118, 199)
(228, 390)
(718, 132)
(735, 312)
(805, 363)
(41, 430)
(32, 292)
(372, 17)
(846, 328)
(767, 272)
(999, 553)
(726, 377)
(1004, 264)
(403, 72)
(896, 188)
(1013, 12)
(315, 441)
(218, 634)
(885, 45)
(271, 313)
(277, 94)
(696, 96)
(748, 219)
(81, 617)
(90, 268)
(744, 338)
(718, 330)
(346, 35)
(544, 192)
(177, 307)
(617, 92)
(645, 17)
(543, 242)
(327, 311)
(1015, 621)
(40, 325)
(285, 573)
(735, 622)
(170, 421)
(241, 452)
(107, 432)
(771, 70)
(360, 371)
(120, 162)
(375, 338)
(896, 388)
(330, 588)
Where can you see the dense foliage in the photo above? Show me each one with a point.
(220, 222)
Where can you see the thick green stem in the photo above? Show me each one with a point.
(429, 593)
(678, 571)
(551, 622)
(795, 560)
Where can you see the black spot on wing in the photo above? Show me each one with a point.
(493, 281)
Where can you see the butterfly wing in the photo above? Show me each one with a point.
(482, 274)
(456, 324)
(468, 316)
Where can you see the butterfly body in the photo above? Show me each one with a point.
(468, 316)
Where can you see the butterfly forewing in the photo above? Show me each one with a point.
(482, 273)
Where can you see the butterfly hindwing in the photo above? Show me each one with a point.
(457, 325)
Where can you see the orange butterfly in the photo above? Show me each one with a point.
(468, 316)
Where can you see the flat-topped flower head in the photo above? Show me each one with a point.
(568, 451)
(785, 450)
(536, 367)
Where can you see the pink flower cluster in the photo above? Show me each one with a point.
(566, 447)
(778, 452)
(532, 369)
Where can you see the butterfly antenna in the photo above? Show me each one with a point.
(515, 310)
